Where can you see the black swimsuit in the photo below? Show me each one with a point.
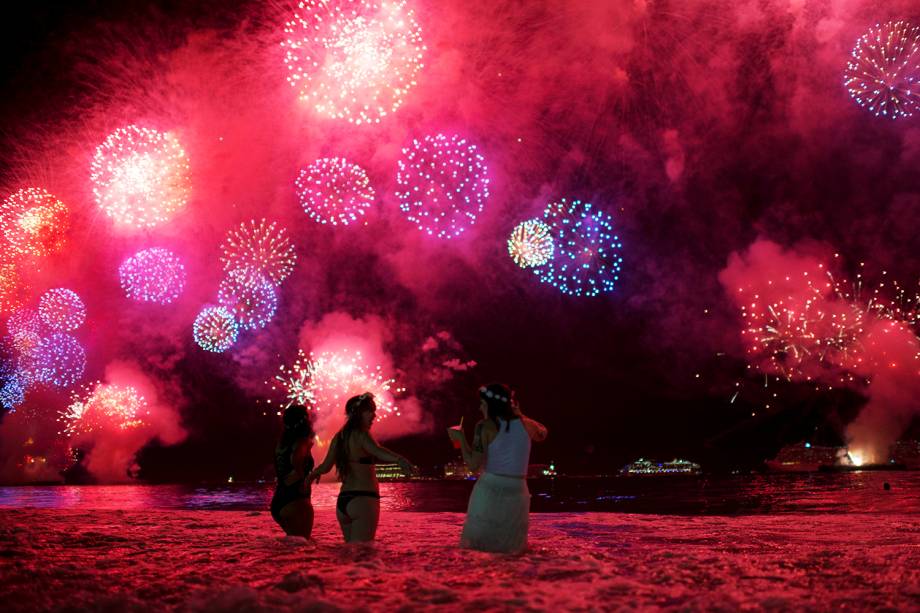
(286, 494)
(341, 503)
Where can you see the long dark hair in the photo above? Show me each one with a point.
(499, 398)
(296, 425)
(354, 409)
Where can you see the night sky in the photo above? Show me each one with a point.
(706, 129)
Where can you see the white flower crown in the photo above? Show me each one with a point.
(490, 394)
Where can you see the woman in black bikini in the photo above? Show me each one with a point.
(291, 506)
(353, 451)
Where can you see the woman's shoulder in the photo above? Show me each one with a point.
(486, 425)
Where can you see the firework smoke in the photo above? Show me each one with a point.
(876, 352)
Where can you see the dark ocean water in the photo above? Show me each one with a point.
(854, 492)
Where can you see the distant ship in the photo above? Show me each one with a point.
(650, 468)
(805, 457)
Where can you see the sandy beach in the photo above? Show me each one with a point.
(233, 560)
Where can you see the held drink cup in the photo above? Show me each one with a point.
(456, 441)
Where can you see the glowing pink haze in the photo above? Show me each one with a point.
(697, 125)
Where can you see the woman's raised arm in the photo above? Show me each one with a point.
(535, 429)
(382, 453)
(327, 463)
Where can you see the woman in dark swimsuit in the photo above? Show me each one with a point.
(353, 451)
(291, 506)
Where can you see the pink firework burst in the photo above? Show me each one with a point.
(62, 309)
(58, 360)
(215, 329)
(325, 381)
(34, 222)
(26, 330)
(261, 247)
(442, 184)
(333, 191)
(250, 297)
(353, 59)
(140, 177)
(153, 275)
(883, 74)
(104, 406)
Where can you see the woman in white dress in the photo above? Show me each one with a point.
(498, 514)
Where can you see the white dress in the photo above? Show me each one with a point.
(498, 514)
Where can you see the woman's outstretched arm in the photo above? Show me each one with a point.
(382, 453)
(327, 463)
(483, 435)
(535, 429)
(298, 457)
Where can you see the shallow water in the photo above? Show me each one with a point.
(855, 492)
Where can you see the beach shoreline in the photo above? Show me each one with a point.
(239, 560)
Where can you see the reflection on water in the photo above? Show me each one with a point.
(856, 492)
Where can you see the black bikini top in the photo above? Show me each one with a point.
(368, 459)
(283, 464)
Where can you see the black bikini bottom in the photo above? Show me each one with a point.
(341, 503)
(285, 495)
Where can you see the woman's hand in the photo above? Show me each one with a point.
(407, 467)
(314, 476)
(455, 434)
